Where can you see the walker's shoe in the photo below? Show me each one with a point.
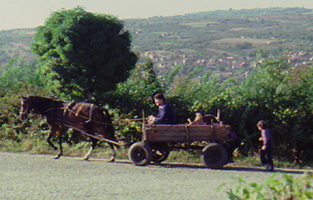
(269, 168)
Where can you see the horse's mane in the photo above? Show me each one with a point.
(43, 104)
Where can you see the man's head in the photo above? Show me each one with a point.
(159, 99)
(261, 125)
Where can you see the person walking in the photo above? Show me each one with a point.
(267, 147)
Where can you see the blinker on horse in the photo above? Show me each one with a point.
(87, 118)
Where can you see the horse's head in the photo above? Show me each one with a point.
(25, 107)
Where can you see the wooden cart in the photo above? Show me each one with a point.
(158, 140)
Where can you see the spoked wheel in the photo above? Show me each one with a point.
(160, 152)
(140, 153)
(214, 156)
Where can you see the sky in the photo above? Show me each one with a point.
(32, 13)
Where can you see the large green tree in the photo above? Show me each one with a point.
(87, 53)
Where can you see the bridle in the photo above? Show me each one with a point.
(27, 110)
(24, 111)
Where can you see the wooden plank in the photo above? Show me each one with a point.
(221, 133)
(201, 133)
(185, 133)
(166, 133)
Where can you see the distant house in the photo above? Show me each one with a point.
(224, 59)
(211, 64)
(239, 65)
(161, 66)
(151, 55)
(294, 59)
(180, 61)
(201, 61)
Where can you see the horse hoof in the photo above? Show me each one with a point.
(56, 157)
(112, 160)
(86, 158)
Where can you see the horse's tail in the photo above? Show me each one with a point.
(108, 124)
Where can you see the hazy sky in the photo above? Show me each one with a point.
(32, 13)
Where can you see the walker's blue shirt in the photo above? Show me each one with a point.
(266, 137)
(166, 115)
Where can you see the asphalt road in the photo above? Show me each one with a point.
(26, 176)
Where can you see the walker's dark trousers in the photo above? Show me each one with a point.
(266, 155)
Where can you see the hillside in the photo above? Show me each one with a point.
(222, 41)
(15, 43)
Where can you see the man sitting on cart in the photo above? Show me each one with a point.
(166, 114)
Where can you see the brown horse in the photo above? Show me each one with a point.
(87, 118)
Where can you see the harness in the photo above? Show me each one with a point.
(69, 109)
(57, 113)
(60, 119)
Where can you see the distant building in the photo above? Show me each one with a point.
(239, 65)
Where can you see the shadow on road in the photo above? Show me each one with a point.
(258, 169)
(235, 168)
(230, 167)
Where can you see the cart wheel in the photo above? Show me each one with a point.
(140, 153)
(214, 156)
(160, 152)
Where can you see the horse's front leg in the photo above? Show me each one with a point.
(55, 131)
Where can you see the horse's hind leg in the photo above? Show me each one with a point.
(51, 134)
(60, 149)
(102, 131)
(94, 144)
(112, 159)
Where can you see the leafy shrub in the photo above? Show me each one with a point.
(286, 187)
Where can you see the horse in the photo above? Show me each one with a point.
(87, 118)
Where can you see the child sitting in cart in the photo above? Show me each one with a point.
(197, 121)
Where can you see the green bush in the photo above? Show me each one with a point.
(284, 187)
